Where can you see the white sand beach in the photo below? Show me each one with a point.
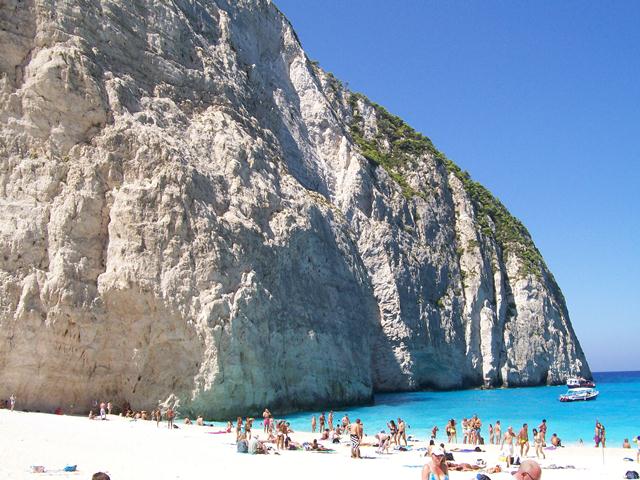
(128, 450)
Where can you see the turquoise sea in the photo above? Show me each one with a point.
(617, 407)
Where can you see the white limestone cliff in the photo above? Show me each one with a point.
(186, 214)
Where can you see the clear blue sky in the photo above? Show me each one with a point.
(540, 102)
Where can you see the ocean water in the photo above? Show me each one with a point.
(617, 407)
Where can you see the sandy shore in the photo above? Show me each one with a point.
(130, 450)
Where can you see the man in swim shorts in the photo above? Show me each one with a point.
(355, 435)
(402, 431)
(523, 440)
(507, 445)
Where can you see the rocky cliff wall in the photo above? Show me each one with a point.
(192, 210)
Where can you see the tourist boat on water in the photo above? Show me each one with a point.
(579, 382)
(579, 395)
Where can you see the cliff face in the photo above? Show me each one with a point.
(191, 210)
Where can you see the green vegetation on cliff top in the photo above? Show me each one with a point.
(397, 147)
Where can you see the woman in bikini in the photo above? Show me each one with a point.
(437, 468)
(393, 431)
(538, 441)
(238, 428)
(282, 433)
(454, 434)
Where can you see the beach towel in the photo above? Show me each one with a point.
(631, 474)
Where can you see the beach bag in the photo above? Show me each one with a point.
(242, 447)
(449, 456)
(482, 476)
(631, 474)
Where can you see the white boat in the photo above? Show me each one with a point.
(579, 382)
(579, 395)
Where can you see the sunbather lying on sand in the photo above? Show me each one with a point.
(463, 467)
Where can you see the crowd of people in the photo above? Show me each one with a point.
(276, 436)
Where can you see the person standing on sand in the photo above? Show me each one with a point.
(637, 440)
(103, 411)
(465, 430)
(542, 428)
(402, 431)
(12, 402)
(313, 424)
(453, 431)
(321, 419)
(281, 432)
(330, 420)
(497, 433)
(393, 431)
(434, 432)
(523, 440)
(491, 434)
(509, 451)
(356, 432)
(537, 443)
(247, 428)
(345, 421)
(238, 428)
(265, 420)
(477, 425)
(170, 415)
(158, 416)
(599, 435)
